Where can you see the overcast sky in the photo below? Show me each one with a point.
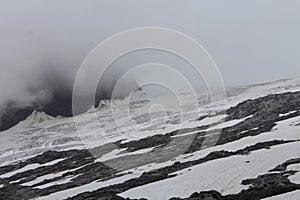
(251, 41)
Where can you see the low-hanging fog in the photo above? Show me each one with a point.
(43, 43)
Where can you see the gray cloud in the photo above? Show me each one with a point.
(44, 42)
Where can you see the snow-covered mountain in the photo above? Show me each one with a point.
(132, 148)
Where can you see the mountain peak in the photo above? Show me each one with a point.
(38, 117)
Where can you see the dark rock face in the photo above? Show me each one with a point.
(265, 186)
(264, 112)
(284, 165)
(87, 171)
(153, 141)
(207, 195)
(13, 115)
(267, 107)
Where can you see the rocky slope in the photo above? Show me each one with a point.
(156, 155)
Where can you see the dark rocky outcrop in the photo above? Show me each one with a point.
(206, 195)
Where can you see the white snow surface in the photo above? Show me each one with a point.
(290, 196)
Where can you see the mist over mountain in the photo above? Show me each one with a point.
(44, 43)
(49, 87)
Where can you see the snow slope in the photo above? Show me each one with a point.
(114, 122)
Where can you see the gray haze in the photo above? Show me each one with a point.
(42, 43)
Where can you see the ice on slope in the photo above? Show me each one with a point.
(40, 132)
